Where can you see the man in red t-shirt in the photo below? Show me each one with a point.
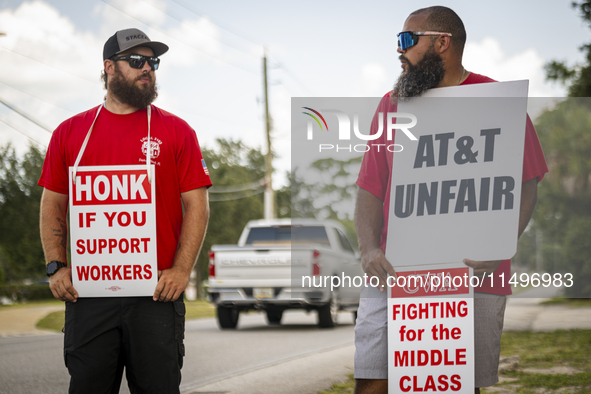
(431, 46)
(143, 334)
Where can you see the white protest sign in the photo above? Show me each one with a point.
(431, 332)
(113, 231)
(456, 190)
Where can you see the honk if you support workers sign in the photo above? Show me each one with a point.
(113, 231)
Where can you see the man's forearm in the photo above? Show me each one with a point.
(53, 226)
(368, 220)
(529, 198)
(192, 231)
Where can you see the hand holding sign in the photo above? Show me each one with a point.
(374, 263)
(483, 267)
(171, 284)
(61, 285)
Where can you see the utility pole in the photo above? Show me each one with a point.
(269, 205)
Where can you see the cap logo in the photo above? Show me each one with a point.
(136, 37)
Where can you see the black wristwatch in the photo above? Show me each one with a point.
(54, 266)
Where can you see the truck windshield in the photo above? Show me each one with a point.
(286, 235)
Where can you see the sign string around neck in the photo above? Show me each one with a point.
(148, 147)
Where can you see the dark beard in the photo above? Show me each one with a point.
(424, 75)
(128, 93)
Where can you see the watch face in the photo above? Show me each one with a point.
(51, 268)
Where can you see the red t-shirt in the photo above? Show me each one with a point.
(375, 176)
(122, 140)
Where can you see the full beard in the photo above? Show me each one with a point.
(424, 75)
(127, 92)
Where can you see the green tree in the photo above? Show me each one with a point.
(236, 170)
(20, 245)
(578, 77)
(564, 208)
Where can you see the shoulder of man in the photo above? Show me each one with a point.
(77, 122)
(474, 78)
(170, 119)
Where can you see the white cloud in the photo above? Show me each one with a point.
(374, 80)
(487, 58)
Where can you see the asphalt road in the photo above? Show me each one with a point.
(297, 357)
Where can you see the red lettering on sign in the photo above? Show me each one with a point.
(148, 272)
(443, 385)
(434, 357)
(112, 245)
(429, 383)
(405, 389)
(124, 219)
(116, 273)
(135, 243)
(126, 272)
(110, 217)
(82, 272)
(95, 272)
(137, 272)
(457, 384)
(431, 310)
(108, 272)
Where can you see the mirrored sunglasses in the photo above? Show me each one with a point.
(407, 39)
(138, 61)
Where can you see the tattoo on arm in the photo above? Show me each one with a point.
(61, 232)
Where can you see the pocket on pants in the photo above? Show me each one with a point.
(179, 320)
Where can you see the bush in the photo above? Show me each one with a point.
(26, 293)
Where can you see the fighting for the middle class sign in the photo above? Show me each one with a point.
(113, 231)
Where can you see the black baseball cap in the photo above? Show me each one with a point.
(131, 38)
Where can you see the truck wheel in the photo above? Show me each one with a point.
(328, 313)
(228, 317)
(274, 316)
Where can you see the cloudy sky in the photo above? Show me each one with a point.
(52, 56)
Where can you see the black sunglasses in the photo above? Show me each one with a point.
(138, 61)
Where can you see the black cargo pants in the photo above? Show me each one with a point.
(104, 335)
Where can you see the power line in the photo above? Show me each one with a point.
(210, 36)
(17, 130)
(231, 198)
(287, 71)
(217, 24)
(36, 97)
(30, 119)
(108, 2)
(293, 77)
(49, 65)
(237, 188)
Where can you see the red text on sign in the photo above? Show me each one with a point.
(434, 357)
(114, 272)
(427, 310)
(123, 245)
(454, 384)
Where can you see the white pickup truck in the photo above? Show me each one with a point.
(285, 264)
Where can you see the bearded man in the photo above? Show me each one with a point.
(431, 46)
(144, 335)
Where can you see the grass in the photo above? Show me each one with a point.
(31, 304)
(570, 302)
(54, 321)
(346, 387)
(536, 350)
